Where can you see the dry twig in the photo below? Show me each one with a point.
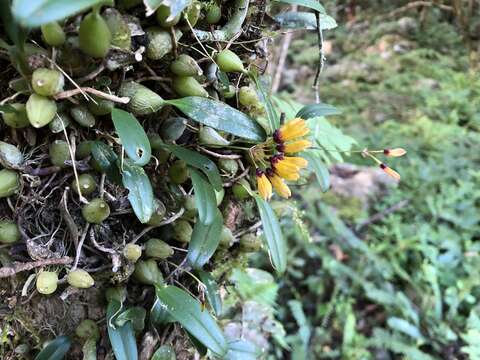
(19, 267)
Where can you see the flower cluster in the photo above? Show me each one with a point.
(277, 164)
(397, 152)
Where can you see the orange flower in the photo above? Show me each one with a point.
(279, 185)
(291, 130)
(296, 160)
(263, 184)
(397, 152)
(295, 146)
(285, 169)
(390, 172)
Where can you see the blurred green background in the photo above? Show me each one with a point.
(390, 271)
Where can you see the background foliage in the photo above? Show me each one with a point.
(407, 284)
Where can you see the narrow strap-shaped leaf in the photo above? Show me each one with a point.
(312, 4)
(188, 312)
(56, 350)
(133, 137)
(276, 244)
(205, 198)
(205, 240)
(211, 291)
(202, 349)
(106, 160)
(242, 350)
(136, 315)
(140, 190)
(121, 338)
(264, 94)
(199, 161)
(319, 168)
(11, 26)
(220, 116)
(316, 110)
(8, 109)
(33, 13)
(158, 314)
(304, 20)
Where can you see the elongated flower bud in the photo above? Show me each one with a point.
(280, 187)
(263, 184)
(397, 152)
(390, 172)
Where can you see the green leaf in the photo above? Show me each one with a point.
(106, 160)
(275, 241)
(133, 137)
(265, 97)
(188, 312)
(164, 352)
(255, 285)
(205, 240)
(211, 291)
(199, 161)
(320, 169)
(312, 4)
(140, 190)
(304, 20)
(205, 198)
(136, 315)
(7, 109)
(55, 350)
(16, 33)
(286, 105)
(34, 13)
(159, 314)
(316, 110)
(122, 338)
(202, 349)
(176, 6)
(220, 116)
(405, 327)
(242, 350)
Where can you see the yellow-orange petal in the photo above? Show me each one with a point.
(286, 171)
(297, 161)
(397, 152)
(297, 146)
(280, 187)
(293, 123)
(390, 172)
(288, 175)
(293, 133)
(285, 165)
(264, 187)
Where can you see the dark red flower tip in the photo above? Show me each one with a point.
(281, 148)
(386, 151)
(383, 166)
(276, 136)
(259, 172)
(276, 158)
(269, 172)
